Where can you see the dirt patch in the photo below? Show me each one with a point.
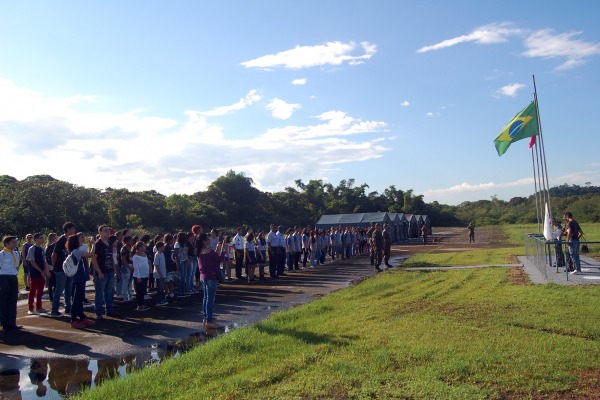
(587, 387)
(518, 276)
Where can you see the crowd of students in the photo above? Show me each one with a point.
(172, 267)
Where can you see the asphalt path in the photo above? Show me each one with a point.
(237, 303)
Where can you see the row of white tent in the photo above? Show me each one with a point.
(404, 226)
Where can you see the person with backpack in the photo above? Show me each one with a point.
(80, 277)
(63, 282)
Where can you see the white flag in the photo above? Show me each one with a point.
(547, 225)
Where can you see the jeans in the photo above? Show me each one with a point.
(210, 289)
(125, 284)
(104, 293)
(314, 257)
(78, 296)
(192, 272)
(574, 249)
(184, 271)
(9, 292)
(63, 283)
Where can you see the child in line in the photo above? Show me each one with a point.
(160, 272)
(171, 276)
(141, 272)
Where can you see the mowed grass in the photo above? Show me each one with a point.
(455, 334)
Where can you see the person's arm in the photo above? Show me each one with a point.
(176, 257)
(94, 260)
(157, 265)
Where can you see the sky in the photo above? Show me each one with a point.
(168, 96)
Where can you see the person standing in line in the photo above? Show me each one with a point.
(557, 234)
(63, 282)
(160, 272)
(305, 246)
(181, 258)
(280, 252)
(192, 253)
(24, 251)
(209, 264)
(298, 245)
(38, 272)
(471, 229)
(574, 233)
(377, 246)
(261, 255)
(75, 248)
(51, 281)
(250, 250)
(141, 272)
(387, 246)
(424, 233)
(370, 241)
(126, 269)
(272, 250)
(9, 284)
(104, 275)
(290, 249)
(238, 244)
(171, 266)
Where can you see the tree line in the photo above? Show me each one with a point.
(41, 202)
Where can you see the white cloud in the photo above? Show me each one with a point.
(282, 110)
(546, 44)
(509, 90)
(252, 97)
(301, 81)
(432, 114)
(405, 103)
(487, 34)
(139, 152)
(330, 53)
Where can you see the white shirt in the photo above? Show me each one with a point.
(141, 267)
(280, 239)
(238, 242)
(7, 266)
(272, 239)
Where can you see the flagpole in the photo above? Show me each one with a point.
(537, 207)
(542, 147)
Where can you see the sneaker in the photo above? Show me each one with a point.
(99, 317)
(30, 312)
(77, 325)
(55, 314)
(575, 272)
(163, 303)
(184, 295)
(146, 297)
(41, 310)
(27, 288)
(143, 308)
(87, 322)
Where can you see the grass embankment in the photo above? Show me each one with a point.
(441, 334)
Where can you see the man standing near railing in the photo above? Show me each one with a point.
(574, 232)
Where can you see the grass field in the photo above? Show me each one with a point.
(457, 334)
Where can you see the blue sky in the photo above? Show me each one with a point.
(170, 95)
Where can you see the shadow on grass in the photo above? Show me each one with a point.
(309, 337)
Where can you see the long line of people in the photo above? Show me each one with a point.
(171, 267)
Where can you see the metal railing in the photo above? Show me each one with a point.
(546, 256)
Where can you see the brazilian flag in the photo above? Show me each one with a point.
(522, 126)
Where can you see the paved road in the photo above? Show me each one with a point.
(236, 304)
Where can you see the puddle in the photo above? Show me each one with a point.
(54, 378)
